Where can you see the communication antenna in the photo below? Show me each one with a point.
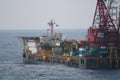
(52, 24)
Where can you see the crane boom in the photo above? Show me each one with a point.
(104, 30)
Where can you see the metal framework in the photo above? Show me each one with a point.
(105, 29)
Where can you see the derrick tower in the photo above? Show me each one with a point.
(106, 24)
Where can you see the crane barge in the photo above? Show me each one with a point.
(99, 51)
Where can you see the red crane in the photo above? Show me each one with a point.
(104, 31)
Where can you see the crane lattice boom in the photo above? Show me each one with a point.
(105, 29)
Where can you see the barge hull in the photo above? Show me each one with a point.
(80, 62)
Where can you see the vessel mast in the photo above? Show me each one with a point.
(52, 24)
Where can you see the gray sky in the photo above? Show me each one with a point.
(35, 14)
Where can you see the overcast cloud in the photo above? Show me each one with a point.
(35, 14)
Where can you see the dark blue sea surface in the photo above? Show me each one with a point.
(12, 66)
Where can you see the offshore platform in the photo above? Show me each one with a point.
(100, 51)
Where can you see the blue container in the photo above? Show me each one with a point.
(82, 50)
(73, 54)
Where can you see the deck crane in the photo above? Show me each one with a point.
(104, 33)
(105, 29)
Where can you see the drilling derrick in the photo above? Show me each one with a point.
(105, 29)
